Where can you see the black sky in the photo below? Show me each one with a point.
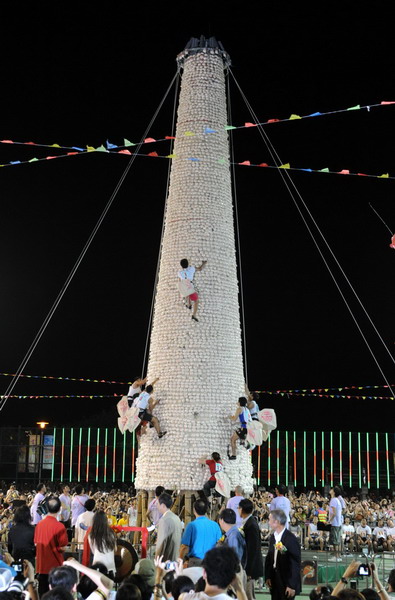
(79, 78)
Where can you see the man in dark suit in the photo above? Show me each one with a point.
(252, 534)
(282, 565)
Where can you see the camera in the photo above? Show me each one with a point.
(18, 566)
(170, 565)
(364, 570)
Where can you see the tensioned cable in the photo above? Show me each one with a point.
(65, 286)
(285, 175)
(233, 171)
(163, 224)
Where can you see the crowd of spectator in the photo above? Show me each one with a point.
(72, 515)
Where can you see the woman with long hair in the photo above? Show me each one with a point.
(21, 535)
(102, 542)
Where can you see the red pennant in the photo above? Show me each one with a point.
(71, 153)
(246, 162)
(250, 125)
(386, 102)
(273, 120)
(124, 152)
(169, 137)
(49, 157)
(362, 174)
(30, 144)
(343, 172)
(149, 140)
(153, 154)
(7, 142)
(263, 165)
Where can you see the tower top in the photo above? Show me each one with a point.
(206, 45)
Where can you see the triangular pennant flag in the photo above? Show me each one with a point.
(194, 159)
(54, 146)
(149, 140)
(263, 165)
(222, 161)
(250, 125)
(383, 176)
(90, 148)
(273, 121)
(246, 162)
(50, 157)
(356, 107)
(33, 160)
(169, 137)
(343, 172)
(227, 127)
(171, 156)
(189, 133)
(30, 144)
(101, 149)
(316, 114)
(152, 154)
(110, 146)
(7, 142)
(286, 166)
(326, 170)
(76, 148)
(15, 162)
(387, 102)
(209, 130)
(124, 152)
(308, 170)
(127, 143)
(293, 117)
(72, 153)
(362, 174)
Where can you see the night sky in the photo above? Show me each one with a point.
(76, 79)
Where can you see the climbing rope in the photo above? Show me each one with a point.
(288, 182)
(73, 271)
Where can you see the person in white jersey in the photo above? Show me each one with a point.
(146, 403)
(188, 273)
(137, 387)
(281, 502)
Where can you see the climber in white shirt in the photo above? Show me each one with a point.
(186, 276)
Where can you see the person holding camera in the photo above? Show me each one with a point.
(357, 569)
(50, 538)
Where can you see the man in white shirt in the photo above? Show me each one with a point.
(364, 534)
(379, 536)
(78, 503)
(65, 513)
(335, 520)
(348, 535)
(280, 502)
(146, 403)
(84, 521)
(390, 535)
(40, 495)
(187, 274)
(234, 502)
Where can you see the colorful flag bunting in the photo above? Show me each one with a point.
(208, 130)
(111, 146)
(286, 166)
(127, 143)
(246, 162)
(149, 140)
(227, 127)
(124, 152)
(250, 125)
(189, 133)
(293, 117)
